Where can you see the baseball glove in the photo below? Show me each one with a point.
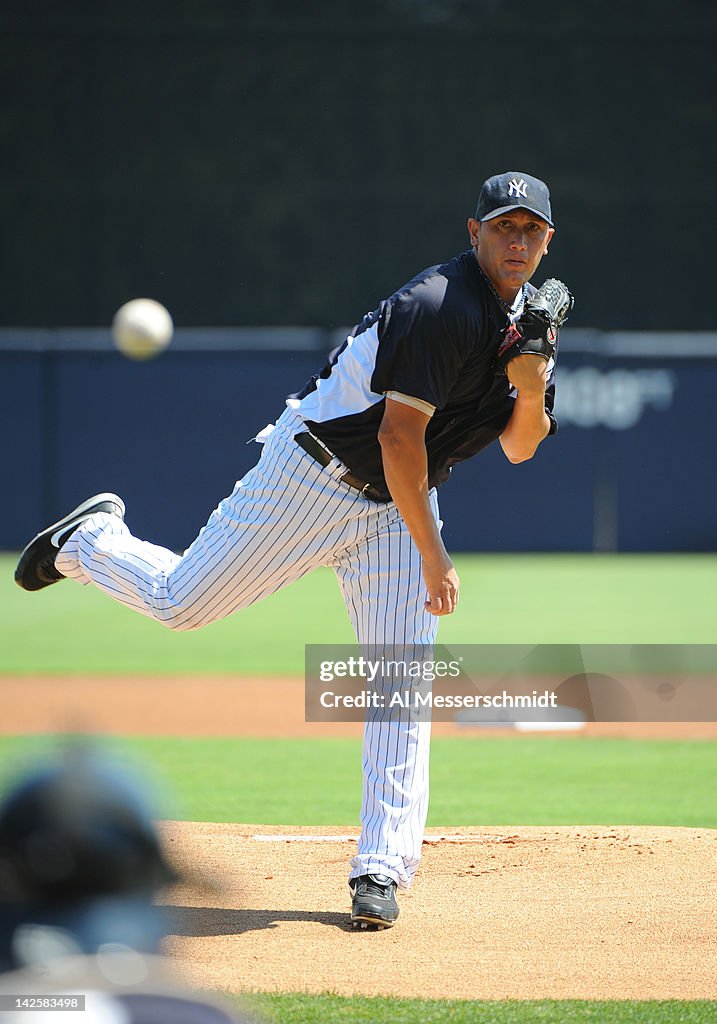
(535, 332)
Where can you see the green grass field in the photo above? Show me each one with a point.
(70, 630)
(300, 1009)
(557, 599)
(530, 781)
(292, 1009)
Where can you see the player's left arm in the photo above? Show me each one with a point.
(529, 423)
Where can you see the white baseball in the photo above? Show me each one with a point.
(142, 329)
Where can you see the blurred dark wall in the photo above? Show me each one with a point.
(285, 163)
(623, 473)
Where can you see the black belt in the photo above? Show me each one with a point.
(318, 451)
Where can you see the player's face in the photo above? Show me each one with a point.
(509, 248)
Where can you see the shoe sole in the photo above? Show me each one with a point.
(83, 510)
(364, 921)
(370, 916)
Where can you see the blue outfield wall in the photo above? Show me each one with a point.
(629, 469)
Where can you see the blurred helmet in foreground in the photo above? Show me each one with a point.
(80, 861)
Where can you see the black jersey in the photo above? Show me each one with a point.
(434, 340)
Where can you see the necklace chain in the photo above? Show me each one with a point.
(505, 306)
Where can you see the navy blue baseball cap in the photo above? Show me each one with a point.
(513, 190)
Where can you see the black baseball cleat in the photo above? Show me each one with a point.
(373, 901)
(36, 568)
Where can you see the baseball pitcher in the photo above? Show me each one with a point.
(461, 356)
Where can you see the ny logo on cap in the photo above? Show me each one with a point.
(517, 188)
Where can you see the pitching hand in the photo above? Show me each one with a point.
(443, 584)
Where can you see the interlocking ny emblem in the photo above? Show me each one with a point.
(517, 188)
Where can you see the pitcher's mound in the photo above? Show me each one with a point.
(495, 913)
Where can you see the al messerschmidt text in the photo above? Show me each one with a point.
(415, 699)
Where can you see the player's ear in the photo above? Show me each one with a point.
(551, 232)
(473, 230)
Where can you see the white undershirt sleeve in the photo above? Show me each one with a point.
(417, 403)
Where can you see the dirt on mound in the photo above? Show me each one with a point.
(499, 913)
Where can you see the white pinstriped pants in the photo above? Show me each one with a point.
(287, 516)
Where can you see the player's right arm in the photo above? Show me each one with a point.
(402, 436)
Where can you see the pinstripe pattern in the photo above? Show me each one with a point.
(384, 594)
(287, 516)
